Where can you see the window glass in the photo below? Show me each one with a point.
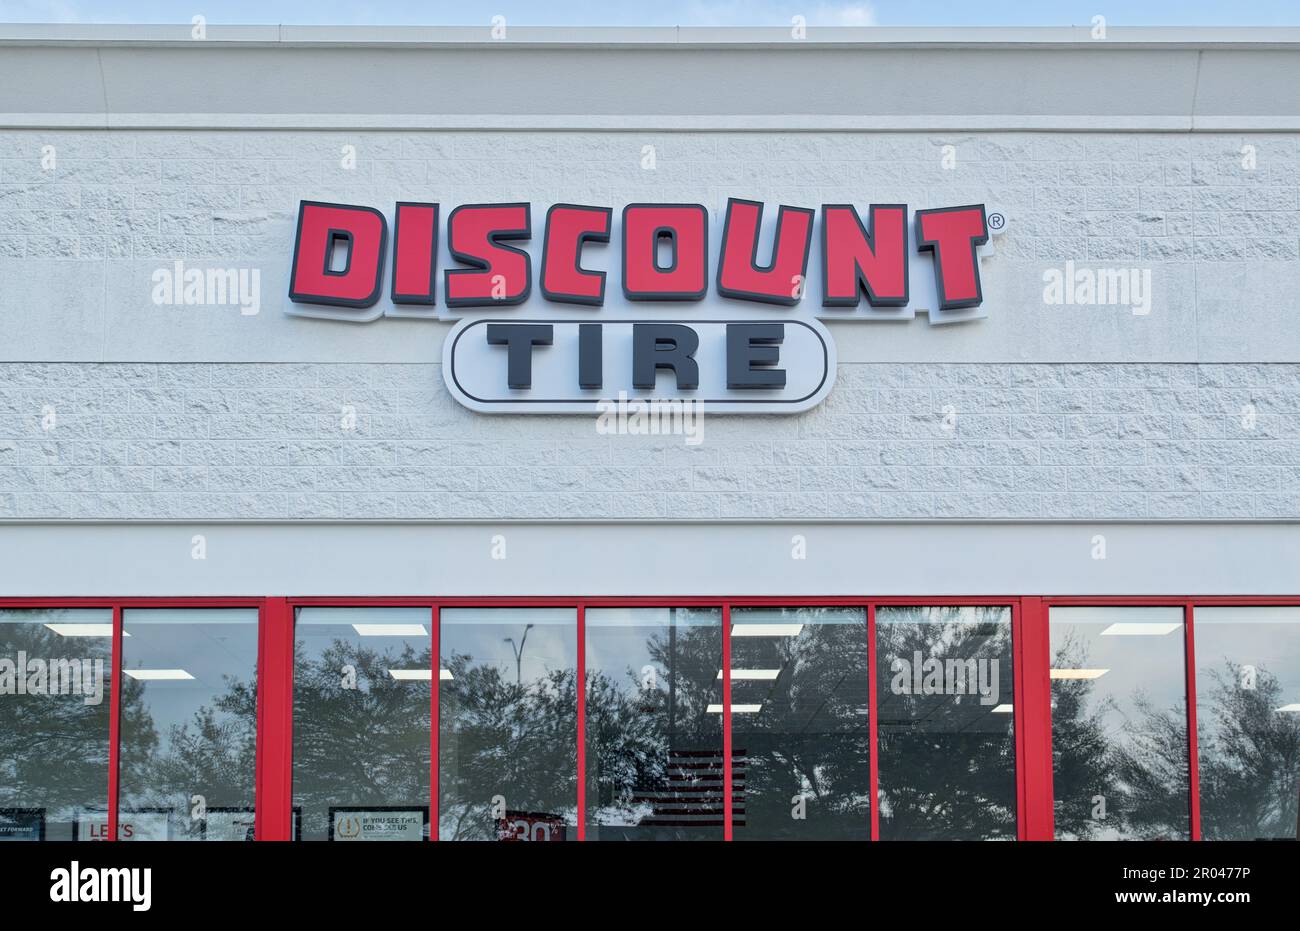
(1119, 723)
(801, 737)
(362, 692)
(1248, 721)
(55, 670)
(188, 724)
(944, 696)
(508, 731)
(654, 724)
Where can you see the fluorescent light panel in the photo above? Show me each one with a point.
(766, 630)
(158, 675)
(736, 709)
(390, 630)
(1078, 673)
(1002, 709)
(752, 675)
(418, 675)
(1135, 629)
(1292, 708)
(84, 630)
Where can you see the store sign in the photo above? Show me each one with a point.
(740, 339)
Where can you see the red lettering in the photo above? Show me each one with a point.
(645, 226)
(503, 274)
(871, 258)
(415, 253)
(568, 228)
(781, 281)
(321, 229)
(952, 234)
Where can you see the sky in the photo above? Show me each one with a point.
(664, 12)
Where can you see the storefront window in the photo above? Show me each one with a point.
(55, 671)
(801, 736)
(1119, 723)
(654, 724)
(1248, 722)
(944, 695)
(508, 731)
(362, 681)
(188, 724)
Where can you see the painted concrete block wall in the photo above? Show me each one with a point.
(114, 407)
(1042, 441)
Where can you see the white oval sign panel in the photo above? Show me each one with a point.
(578, 366)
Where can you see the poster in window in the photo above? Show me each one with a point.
(141, 824)
(239, 824)
(378, 824)
(22, 824)
(530, 826)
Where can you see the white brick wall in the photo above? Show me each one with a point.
(1028, 441)
(1155, 197)
(1159, 436)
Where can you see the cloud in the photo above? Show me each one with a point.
(751, 13)
(843, 14)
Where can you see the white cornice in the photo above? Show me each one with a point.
(1244, 80)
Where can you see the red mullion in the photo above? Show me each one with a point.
(114, 724)
(273, 814)
(435, 724)
(1017, 724)
(726, 724)
(873, 722)
(259, 751)
(581, 690)
(1194, 766)
(1032, 718)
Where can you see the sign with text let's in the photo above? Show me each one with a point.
(659, 303)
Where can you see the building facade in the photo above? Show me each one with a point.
(1007, 549)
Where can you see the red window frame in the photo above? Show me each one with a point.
(1189, 606)
(279, 737)
(1030, 658)
(117, 605)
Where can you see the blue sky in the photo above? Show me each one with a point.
(666, 12)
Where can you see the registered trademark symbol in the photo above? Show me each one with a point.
(997, 221)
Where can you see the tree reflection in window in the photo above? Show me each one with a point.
(654, 724)
(508, 732)
(1119, 724)
(188, 757)
(801, 733)
(945, 689)
(361, 709)
(54, 747)
(1248, 721)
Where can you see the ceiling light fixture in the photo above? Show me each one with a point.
(1078, 673)
(766, 630)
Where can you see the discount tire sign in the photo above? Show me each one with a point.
(657, 303)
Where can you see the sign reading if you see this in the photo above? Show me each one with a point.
(749, 346)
